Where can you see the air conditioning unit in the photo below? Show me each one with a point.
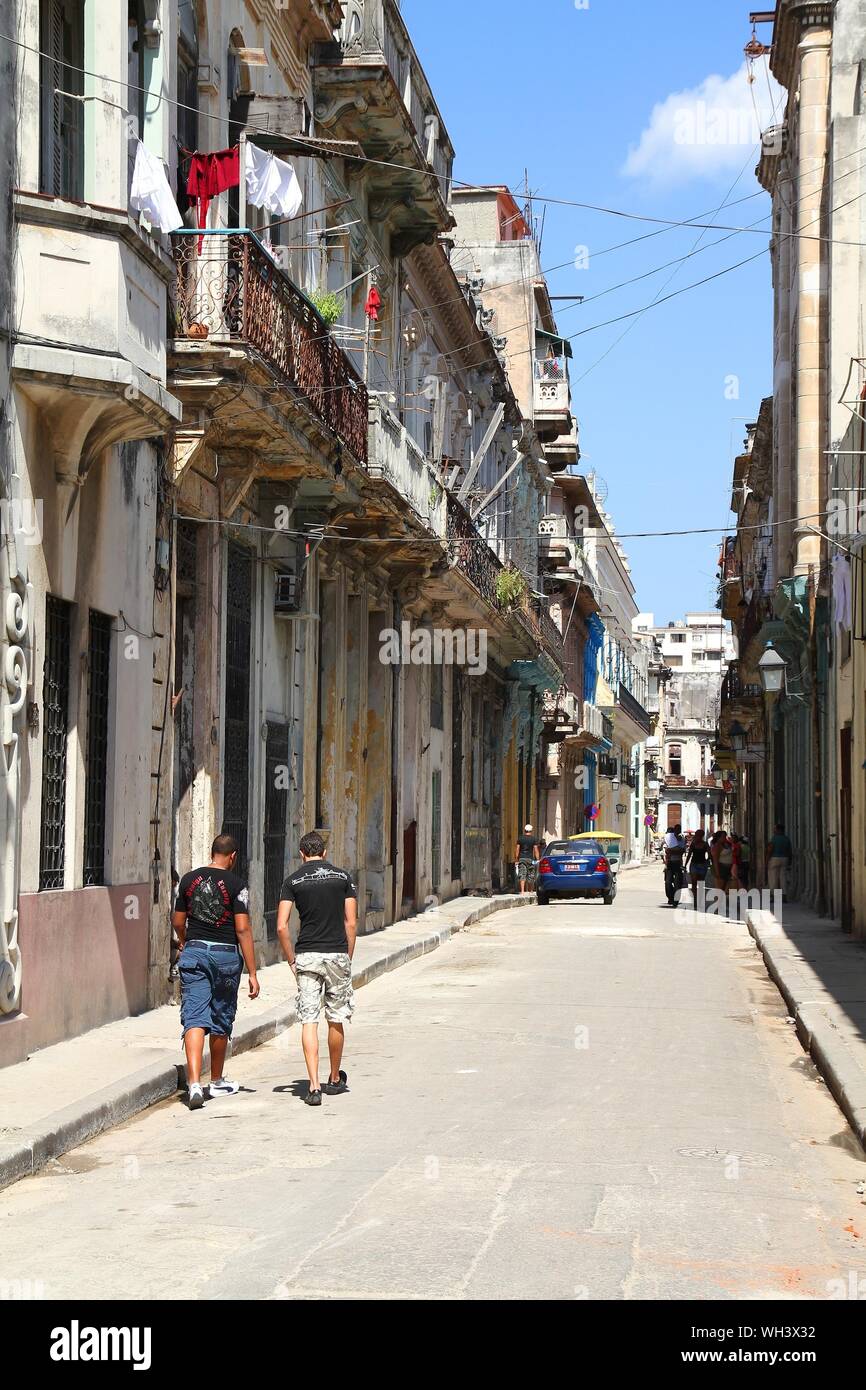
(476, 285)
(289, 582)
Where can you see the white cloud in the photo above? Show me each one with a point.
(706, 132)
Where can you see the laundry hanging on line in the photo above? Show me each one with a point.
(373, 304)
(271, 183)
(841, 567)
(210, 174)
(151, 192)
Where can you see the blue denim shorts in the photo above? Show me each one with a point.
(209, 977)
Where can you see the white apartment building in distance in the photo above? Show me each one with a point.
(695, 655)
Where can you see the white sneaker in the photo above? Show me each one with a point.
(223, 1087)
(195, 1099)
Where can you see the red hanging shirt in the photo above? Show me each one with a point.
(373, 305)
(210, 174)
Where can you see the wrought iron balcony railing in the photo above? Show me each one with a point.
(234, 291)
(733, 688)
(469, 552)
(633, 708)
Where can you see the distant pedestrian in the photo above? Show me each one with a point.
(714, 875)
(212, 924)
(526, 857)
(780, 855)
(744, 861)
(697, 862)
(326, 900)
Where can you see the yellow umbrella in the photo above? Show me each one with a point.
(597, 835)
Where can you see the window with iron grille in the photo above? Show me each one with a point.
(55, 732)
(436, 831)
(96, 752)
(236, 751)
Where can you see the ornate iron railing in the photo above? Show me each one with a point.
(469, 552)
(733, 688)
(633, 708)
(234, 290)
(546, 630)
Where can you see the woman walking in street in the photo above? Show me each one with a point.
(697, 858)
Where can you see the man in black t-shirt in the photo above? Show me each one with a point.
(327, 903)
(525, 857)
(212, 923)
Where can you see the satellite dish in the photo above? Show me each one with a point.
(598, 487)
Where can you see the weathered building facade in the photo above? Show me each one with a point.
(287, 568)
(796, 584)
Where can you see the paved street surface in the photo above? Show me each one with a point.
(563, 1102)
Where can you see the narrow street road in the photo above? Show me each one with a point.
(563, 1102)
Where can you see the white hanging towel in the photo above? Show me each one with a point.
(841, 567)
(272, 183)
(151, 192)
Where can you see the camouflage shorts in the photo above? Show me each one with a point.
(324, 976)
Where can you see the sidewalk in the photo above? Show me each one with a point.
(110, 1074)
(821, 973)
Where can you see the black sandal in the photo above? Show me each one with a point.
(336, 1088)
(313, 1098)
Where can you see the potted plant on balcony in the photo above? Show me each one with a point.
(510, 588)
(328, 305)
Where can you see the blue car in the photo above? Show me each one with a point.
(575, 869)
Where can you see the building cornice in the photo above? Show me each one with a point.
(793, 18)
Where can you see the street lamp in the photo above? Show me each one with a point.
(771, 669)
(614, 783)
(738, 737)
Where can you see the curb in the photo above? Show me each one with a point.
(34, 1147)
(828, 1048)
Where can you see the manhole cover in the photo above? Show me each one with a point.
(720, 1155)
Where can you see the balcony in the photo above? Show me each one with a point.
(556, 546)
(469, 554)
(632, 720)
(89, 342)
(736, 691)
(233, 310)
(564, 451)
(396, 460)
(559, 713)
(551, 399)
(562, 559)
(593, 729)
(546, 633)
(370, 87)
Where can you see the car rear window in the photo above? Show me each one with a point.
(573, 847)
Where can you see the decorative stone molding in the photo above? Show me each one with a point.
(17, 601)
(794, 20)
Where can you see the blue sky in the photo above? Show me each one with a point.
(591, 101)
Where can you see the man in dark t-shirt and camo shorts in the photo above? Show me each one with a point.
(326, 900)
(212, 924)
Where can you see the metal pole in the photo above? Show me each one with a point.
(367, 328)
(242, 180)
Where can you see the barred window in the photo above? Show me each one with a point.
(55, 732)
(96, 754)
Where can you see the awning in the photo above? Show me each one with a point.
(563, 345)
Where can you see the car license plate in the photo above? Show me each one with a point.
(573, 868)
